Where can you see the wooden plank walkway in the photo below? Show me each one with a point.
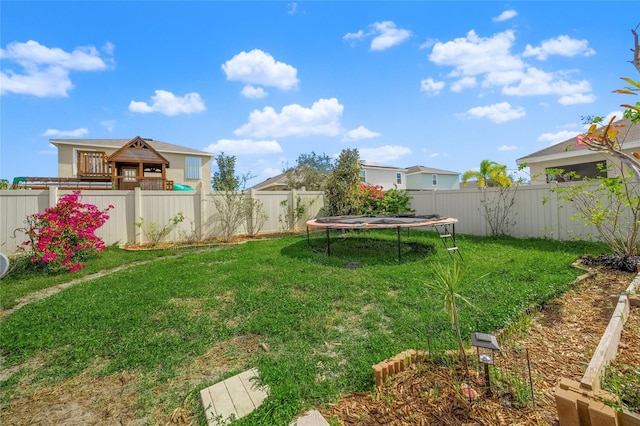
(233, 398)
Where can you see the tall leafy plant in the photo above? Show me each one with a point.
(233, 207)
(341, 190)
(498, 191)
(449, 283)
(613, 207)
(63, 236)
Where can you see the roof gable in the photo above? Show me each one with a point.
(137, 150)
(629, 137)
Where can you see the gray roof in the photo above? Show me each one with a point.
(431, 170)
(380, 166)
(118, 143)
(280, 179)
(628, 134)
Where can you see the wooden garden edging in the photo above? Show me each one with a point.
(583, 403)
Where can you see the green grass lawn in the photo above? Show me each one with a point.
(316, 327)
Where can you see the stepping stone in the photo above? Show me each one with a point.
(310, 418)
(233, 398)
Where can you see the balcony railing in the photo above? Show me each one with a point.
(93, 164)
(144, 183)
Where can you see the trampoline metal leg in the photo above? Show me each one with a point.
(399, 254)
(328, 244)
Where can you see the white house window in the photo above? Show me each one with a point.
(192, 168)
(399, 178)
(434, 180)
(363, 175)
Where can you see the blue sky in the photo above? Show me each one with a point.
(438, 84)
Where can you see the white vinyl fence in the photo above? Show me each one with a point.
(159, 207)
(531, 217)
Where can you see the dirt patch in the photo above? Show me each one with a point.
(561, 340)
(84, 399)
(91, 399)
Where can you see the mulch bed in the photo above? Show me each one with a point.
(560, 341)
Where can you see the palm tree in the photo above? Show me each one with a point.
(490, 174)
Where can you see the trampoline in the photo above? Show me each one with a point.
(445, 226)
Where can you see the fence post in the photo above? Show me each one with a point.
(294, 209)
(137, 213)
(53, 196)
(250, 222)
(202, 214)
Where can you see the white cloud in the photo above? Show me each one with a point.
(577, 98)
(354, 36)
(562, 45)
(607, 118)
(388, 35)
(359, 133)
(498, 113)
(473, 55)
(252, 92)
(385, 35)
(108, 124)
(431, 86)
(169, 104)
(271, 172)
(537, 82)
(463, 83)
(507, 147)
(244, 146)
(45, 71)
(258, 67)
(384, 154)
(75, 133)
(109, 48)
(505, 16)
(323, 118)
(554, 138)
(491, 57)
(427, 43)
(293, 8)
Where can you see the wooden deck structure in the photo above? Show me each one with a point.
(135, 165)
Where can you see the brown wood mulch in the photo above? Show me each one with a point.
(561, 340)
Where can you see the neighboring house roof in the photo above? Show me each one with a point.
(277, 181)
(119, 143)
(629, 135)
(430, 170)
(380, 166)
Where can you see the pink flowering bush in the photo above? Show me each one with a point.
(375, 200)
(371, 197)
(63, 237)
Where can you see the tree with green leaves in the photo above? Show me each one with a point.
(490, 174)
(612, 203)
(498, 194)
(225, 178)
(341, 190)
(311, 172)
(233, 207)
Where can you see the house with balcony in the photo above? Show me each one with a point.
(126, 164)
